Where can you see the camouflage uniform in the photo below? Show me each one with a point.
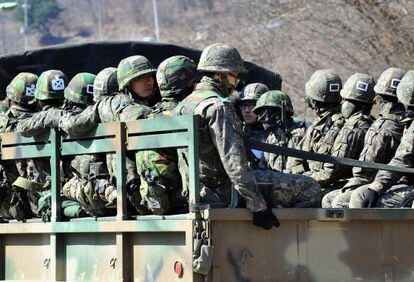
(115, 108)
(4, 105)
(282, 133)
(389, 188)
(161, 187)
(14, 202)
(88, 183)
(358, 94)
(381, 140)
(252, 92)
(223, 159)
(322, 94)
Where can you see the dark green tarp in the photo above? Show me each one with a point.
(93, 57)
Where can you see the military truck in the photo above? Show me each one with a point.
(202, 245)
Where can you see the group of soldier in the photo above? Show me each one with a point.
(157, 180)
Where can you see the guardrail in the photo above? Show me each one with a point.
(118, 138)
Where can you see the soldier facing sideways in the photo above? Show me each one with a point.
(389, 188)
(20, 94)
(275, 111)
(358, 94)
(251, 127)
(381, 140)
(322, 93)
(135, 79)
(223, 160)
(161, 188)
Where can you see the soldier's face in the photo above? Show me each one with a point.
(246, 108)
(143, 86)
(232, 78)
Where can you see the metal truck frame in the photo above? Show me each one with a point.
(310, 244)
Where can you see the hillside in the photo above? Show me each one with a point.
(293, 37)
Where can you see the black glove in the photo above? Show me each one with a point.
(265, 219)
(370, 199)
(407, 201)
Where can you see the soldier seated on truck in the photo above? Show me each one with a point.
(391, 189)
(161, 188)
(223, 161)
(135, 76)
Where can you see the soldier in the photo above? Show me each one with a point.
(136, 78)
(161, 187)
(322, 95)
(381, 140)
(134, 75)
(251, 127)
(105, 84)
(223, 160)
(5, 105)
(275, 111)
(389, 188)
(358, 94)
(88, 183)
(20, 93)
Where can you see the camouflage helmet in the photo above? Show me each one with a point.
(253, 91)
(176, 74)
(324, 86)
(131, 68)
(388, 81)
(22, 88)
(80, 88)
(359, 87)
(221, 58)
(51, 85)
(105, 84)
(273, 99)
(405, 90)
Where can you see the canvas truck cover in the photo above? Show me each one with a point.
(93, 57)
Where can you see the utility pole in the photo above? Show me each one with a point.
(155, 12)
(5, 8)
(99, 20)
(25, 7)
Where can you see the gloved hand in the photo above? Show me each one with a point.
(407, 201)
(265, 219)
(370, 199)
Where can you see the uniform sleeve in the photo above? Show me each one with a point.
(379, 147)
(347, 144)
(40, 122)
(404, 157)
(226, 133)
(81, 123)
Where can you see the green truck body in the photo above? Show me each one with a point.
(203, 245)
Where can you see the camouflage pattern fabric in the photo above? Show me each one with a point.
(4, 105)
(51, 85)
(348, 144)
(223, 160)
(289, 190)
(105, 84)
(405, 89)
(176, 74)
(386, 180)
(381, 142)
(131, 68)
(319, 138)
(221, 58)
(252, 91)
(22, 88)
(80, 89)
(161, 188)
(324, 86)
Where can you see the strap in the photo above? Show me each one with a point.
(194, 99)
(252, 144)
